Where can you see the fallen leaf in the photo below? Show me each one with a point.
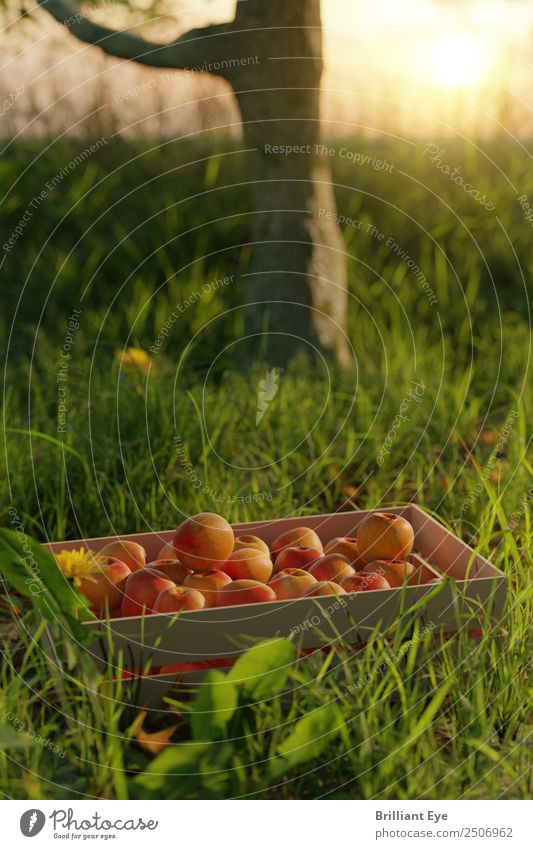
(154, 741)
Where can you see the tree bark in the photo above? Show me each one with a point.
(296, 288)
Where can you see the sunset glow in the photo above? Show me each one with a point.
(461, 59)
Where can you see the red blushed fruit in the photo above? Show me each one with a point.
(249, 564)
(324, 588)
(168, 552)
(346, 547)
(396, 573)
(141, 590)
(174, 599)
(296, 538)
(250, 541)
(173, 569)
(244, 592)
(203, 542)
(331, 567)
(385, 536)
(367, 581)
(296, 557)
(107, 588)
(130, 553)
(208, 583)
(291, 583)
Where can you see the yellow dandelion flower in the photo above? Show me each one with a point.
(79, 565)
(134, 359)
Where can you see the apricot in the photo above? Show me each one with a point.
(347, 547)
(251, 541)
(291, 583)
(131, 553)
(248, 563)
(296, 557)
(141, 590)
(296, 537)
(331, 567)
(385, 536)
(105, 587)
(396, 573)
(208, 583)
(244, 592)
(173, 599)
(203, 542)
(367, 581)
(167, 552)
(173, 569)
(324, 588)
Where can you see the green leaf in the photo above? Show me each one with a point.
(32, 570)
(262, 671)
(54, 441)
(180, 761)
(308, 739)
(32, 564)
(11, 739)
(427, 717)
(214, 706)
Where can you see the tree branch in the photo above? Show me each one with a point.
(196, 50)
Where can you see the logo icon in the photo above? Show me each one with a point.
(267, 392)
(32, 822)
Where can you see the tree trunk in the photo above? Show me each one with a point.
(296, 281)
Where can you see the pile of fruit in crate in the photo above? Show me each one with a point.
(205, 565)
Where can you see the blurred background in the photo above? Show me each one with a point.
(420, 67)
(123, 192)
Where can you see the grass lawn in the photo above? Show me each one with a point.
(138, 450)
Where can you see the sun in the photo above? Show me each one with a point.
(461, 59)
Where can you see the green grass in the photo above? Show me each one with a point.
(428, 726)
